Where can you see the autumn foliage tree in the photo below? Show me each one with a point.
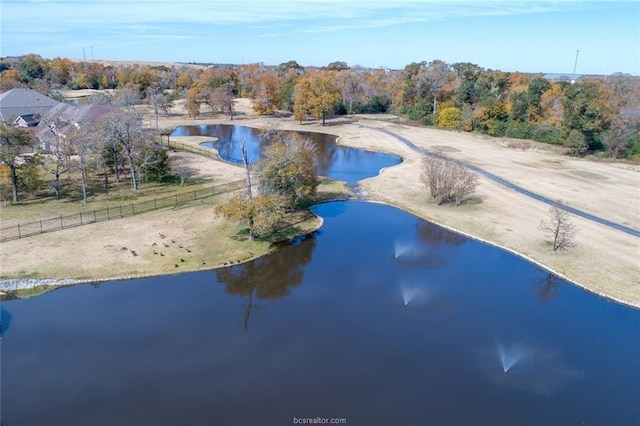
(316, 94)
(286, 169)
(286, 180)
(266, 94)
(449, 118)
(192, 102)
(260, 213)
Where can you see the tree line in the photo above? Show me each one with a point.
(594, 115)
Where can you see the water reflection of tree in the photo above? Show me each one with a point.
(326, 151)
(268, 277)
(5, 320)
(548, 287)
(434, 234)
(225, 144)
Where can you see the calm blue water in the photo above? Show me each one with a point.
(321, 329)
(333, 160)
(380, 318)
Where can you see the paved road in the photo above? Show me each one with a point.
(516, 188)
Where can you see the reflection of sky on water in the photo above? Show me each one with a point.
(322, 325)
(333, 160)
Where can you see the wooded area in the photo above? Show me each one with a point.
(593, 115)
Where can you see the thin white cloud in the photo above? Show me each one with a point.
(41, 25)
(88, 12)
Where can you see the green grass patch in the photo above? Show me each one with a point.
(27, 292)
(331, 190)
(588, 175)
(119, 194)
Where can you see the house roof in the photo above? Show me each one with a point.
(19, 102)
(63, 118)
(88, 113)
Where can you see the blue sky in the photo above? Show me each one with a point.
(510, 35)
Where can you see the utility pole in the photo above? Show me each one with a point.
(84, 58)
(575, 65)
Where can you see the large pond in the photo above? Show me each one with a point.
(333, 160)
(379, 318)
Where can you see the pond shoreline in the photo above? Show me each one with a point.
(576, 266)
(13, 285)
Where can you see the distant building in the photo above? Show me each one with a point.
(24, 107)
(572, 78)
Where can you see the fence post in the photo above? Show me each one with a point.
(132, 210)
(41, 226)
(95, 218)
(176, 200)
(80, 218)
(19, 236)
(155, 203)
(61, 224)
(120, 211)
(108, 218)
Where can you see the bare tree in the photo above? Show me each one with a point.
(447, 180)
(124, 130)
(223, 99)
(164, 103)
(60, 164)
(436, 75)
(153, 95)
(181, 167)
(559, 226)
(84, 147)
(127, 99)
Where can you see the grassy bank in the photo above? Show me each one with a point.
(176, 240)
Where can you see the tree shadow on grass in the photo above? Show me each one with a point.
(287, 229)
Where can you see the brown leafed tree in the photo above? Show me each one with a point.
(559, 226)
(317, 94)
(192, 102)
(447, 180)
(287, 169)
(260, 213)
(266, 94)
